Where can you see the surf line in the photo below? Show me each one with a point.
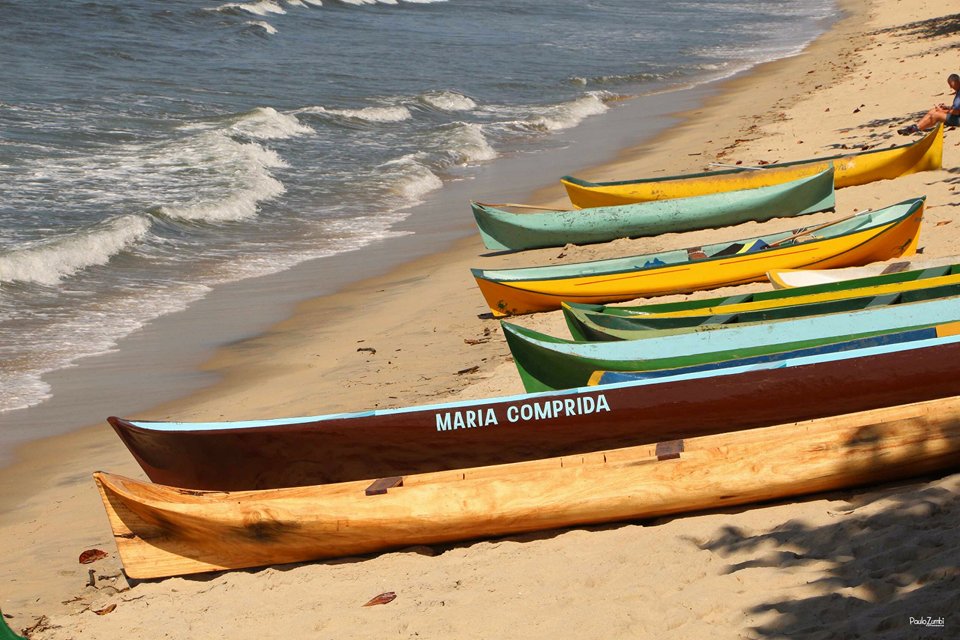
(549, 409)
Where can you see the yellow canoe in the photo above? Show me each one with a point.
(851, 169)
(859, 239)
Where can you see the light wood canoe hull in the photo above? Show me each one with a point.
(527, 290)
(874, 372)
(162, 531)
(925, 154)
(789, 279)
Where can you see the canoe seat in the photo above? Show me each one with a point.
(669, 450)
(380, 487)
(896, 267)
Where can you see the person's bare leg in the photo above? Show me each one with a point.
(933, 117)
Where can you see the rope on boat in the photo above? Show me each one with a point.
(519, 206)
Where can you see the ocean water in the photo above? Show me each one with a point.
(151, 152)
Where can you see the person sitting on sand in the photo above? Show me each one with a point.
(948, 114)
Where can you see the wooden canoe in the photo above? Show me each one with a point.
(789, 279)
(587, 325)
(547, 362)
(163, 531)
(501, 229)
(873, 372)
(851, 169)
(859, 239)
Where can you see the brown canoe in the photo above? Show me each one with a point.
(337, 448)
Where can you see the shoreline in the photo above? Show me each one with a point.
(216, 370)
(279, 373)
(181, 383)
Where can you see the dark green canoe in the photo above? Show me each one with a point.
(6, 633)
(585, 324)
(546, 362)
(778, 297)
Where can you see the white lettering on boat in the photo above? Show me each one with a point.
(523, 412)
(466, 419)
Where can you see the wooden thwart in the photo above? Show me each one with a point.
(669, 450)
(379, 487)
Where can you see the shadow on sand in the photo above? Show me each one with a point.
(889, 563)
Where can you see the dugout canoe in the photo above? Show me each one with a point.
(850, 169)
(585, 325)
(853, 240)
(501, 229)
(944, 273)
(163, 531)
(858, 347)
(6, 633)
(258, 454)
(790, 279)
(547, 362)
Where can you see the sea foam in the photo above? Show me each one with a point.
(568, 114)
(394, 113)
(50, 261)
(218, 178)
(263, 24)
(410, 178)
(262, 8)
(467, 144)
(266, 123)
(448, 101)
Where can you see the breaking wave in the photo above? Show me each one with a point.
(448, 101)
(51, 261)
(397, 113)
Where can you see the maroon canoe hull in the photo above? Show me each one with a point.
(536, 426)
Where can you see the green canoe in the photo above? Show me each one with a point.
(585, 324)
(935, 275)
(506, 230)
(546, 362)
(6, 633)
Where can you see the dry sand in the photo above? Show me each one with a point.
(868, 563)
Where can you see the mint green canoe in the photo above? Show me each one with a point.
(506, 230)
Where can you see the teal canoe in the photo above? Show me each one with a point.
(900, 341)
(547, 362)
(588, 325)
(506, 230)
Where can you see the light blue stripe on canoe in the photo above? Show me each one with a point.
(710, 339)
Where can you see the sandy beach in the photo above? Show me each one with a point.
(876, 562)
